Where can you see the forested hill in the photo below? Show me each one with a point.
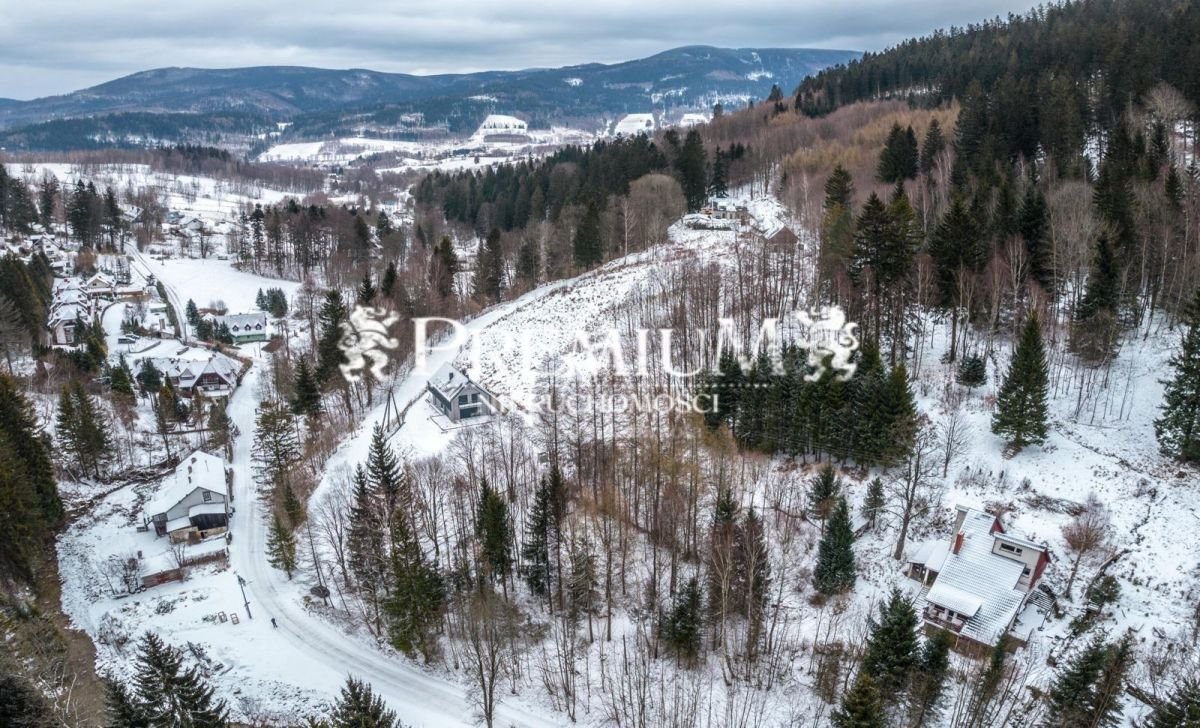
(1048, 76)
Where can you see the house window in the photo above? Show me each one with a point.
(464, 399)
(1010, 548)
(1025, 572)
(207, 496)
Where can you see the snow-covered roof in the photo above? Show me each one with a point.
(979, 582)
(448, 380)
(931, 555)
(66, 284)
(177, 523)
(206, 509)
(187, 368)
(198, 470)
(68, 312)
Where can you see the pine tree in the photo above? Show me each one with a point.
(149, 378)
(1181, 709)
(170, 696)
(873, 504)
(1021, 412)
(21, 704)
(718, 185)
(365, 545)
(862, 706)
(588, 243)
(1034, 225)
(417, 598)
(542, 535)
(892, 647)
(329, 351)
(292, 507)
(900, 158)
(1096, 327)
(839, 189)
(1178, 429)
(929, 680)
(489, 267)
(281, 547)
(260, 300)
(359, 707)
(494, 532)
(823, 492)
(835, 569)
(1087, 690)
(898, 412)
(192, 313)
(972, 371)
(387, 285)
(276, 448)
(307, 398)
(932, 148)
(683, 625)
(691, 166)
(443, 267)
(367, 290)
(121, 708)
(385, 474)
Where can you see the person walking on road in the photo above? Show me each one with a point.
(273, 623)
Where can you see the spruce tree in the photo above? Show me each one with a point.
(306, 400)
(489, 267)
(873, 504)
(898, 413)
(1095, 330)
(365, 545)
(170, 696)
(192, 313)
(1181, 709)
(1087, 690)
(359, 707)
(417, 598)
(542, 536)
(683, 625)
(329, 352)
(932, 147)
(1178, 428)
(892, 647)
(21, 704)
(588, 242)
(276, 448)
(692, 168)
(972, 371)
(835, 570)
(121, 707)
(1034, 225)
(1021, 410)
(927, 691)
(823, 491)
(494, 532)
(387, 285)
(385, 473)
(281, 547)
(862, 706)
(367, 290)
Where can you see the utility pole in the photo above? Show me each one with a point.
(242, 584)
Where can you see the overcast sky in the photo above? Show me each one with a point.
(54, 47)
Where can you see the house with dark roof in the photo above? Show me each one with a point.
(980, 581)
(457, 396)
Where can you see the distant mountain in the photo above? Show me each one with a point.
(152, 105)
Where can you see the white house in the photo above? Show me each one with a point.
(244, 327)
(979, 581)
(457, 396)
(193, 503)
(69, 304)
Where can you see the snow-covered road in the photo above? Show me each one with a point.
(306, 651)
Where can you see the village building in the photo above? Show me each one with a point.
(212, 374)
(980, 582)
(69, 304)
(244, 327)
(459, 398)
(193, 503)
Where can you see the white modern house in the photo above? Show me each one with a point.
(458, 397)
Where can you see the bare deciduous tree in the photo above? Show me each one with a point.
(1086, 533)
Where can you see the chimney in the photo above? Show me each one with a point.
(958, 541)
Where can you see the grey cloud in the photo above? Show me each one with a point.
(58, 47)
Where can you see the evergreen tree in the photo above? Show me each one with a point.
(385, 474)
(683, 625)
(329, 352)
(170, 696)
(972, 371)
(873, 504)
(121, 708)
(365, 544)
(83, 430)
(149, 378)
(276, 448)
(443, 267)
(494, 532)
(839, 189)
(359, 707)
(892, 647)
(823, 492)
(862, 706)
(542, 535)
(281, 547)
(588, 244)
(900, 158)
(120, 380)
(927, 691)
(1095, 330)
(835, 569)
(1021, 413)
(691, 166)
(1178, 429)
(387, 285)
(21, 704)
(307, 398)
(260, 300)
(1034, 225)
(898, 412)
(1181, 709)
(415, 604)
(367, 290)
(489, 267)
(1087, 690)
(932, 148)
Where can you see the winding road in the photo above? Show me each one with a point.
(308, 651)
